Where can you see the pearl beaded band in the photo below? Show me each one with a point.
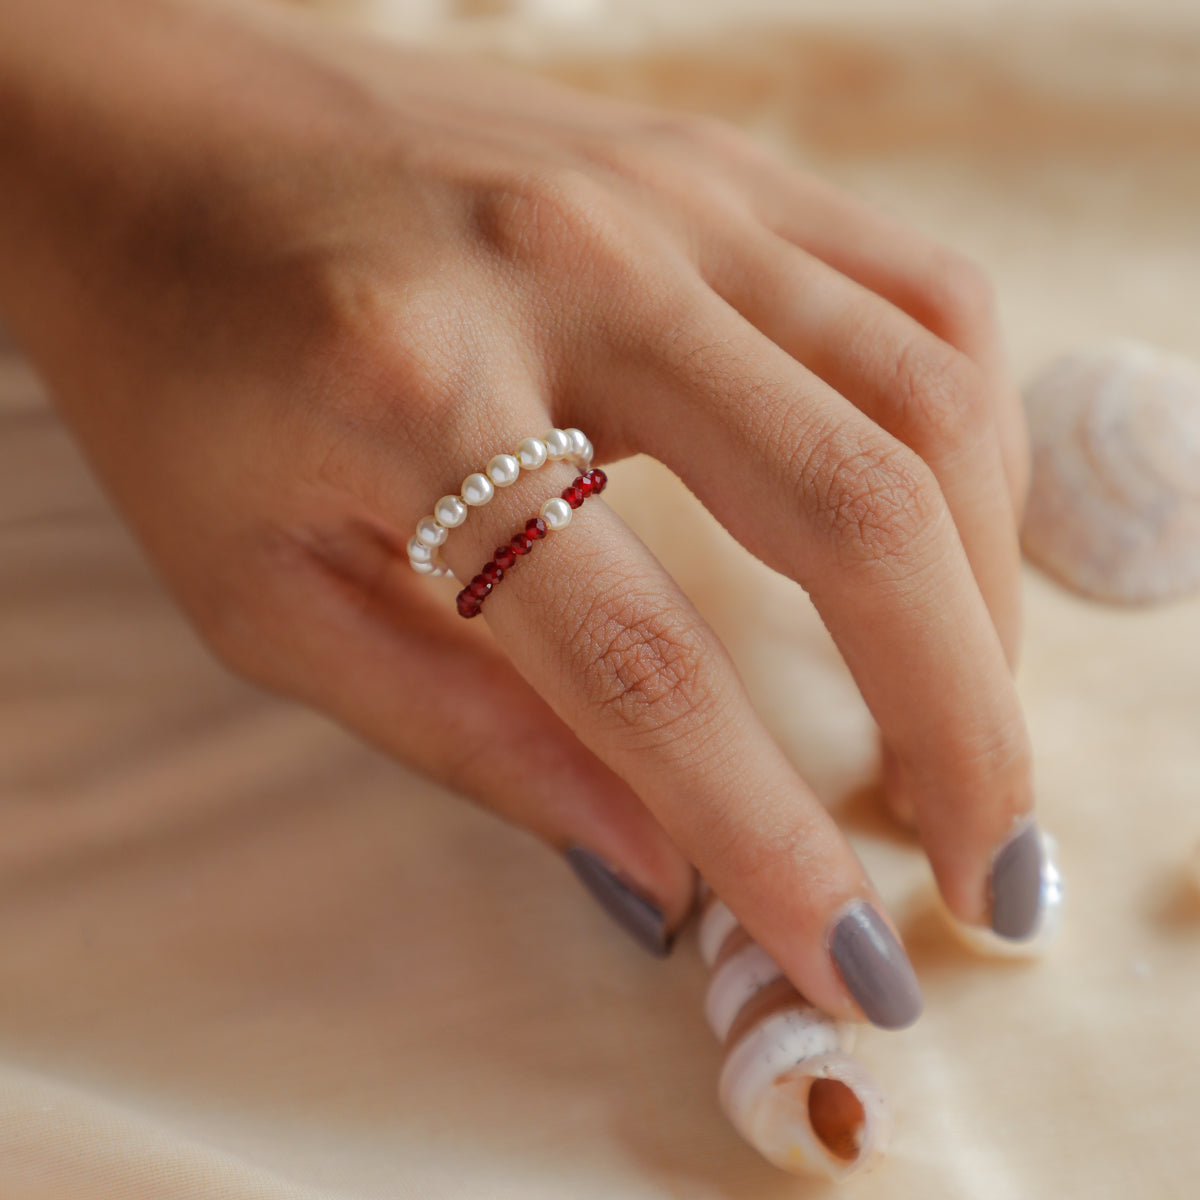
(479, 487)
(556, 514)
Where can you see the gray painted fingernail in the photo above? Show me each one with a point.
(634, 913)
(875, 968)
(1017, 885)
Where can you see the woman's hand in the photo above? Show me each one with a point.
(290, 287)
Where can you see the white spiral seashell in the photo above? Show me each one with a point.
(985, 942)
(741, 976)
(1114, 509)
(788, 1084)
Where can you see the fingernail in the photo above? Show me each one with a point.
(1017, 885)
(875, 968)
(642, 920)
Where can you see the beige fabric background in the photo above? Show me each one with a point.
(244, 957)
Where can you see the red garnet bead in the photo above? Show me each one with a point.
(573, 495)
(599, 480)
(535, 528)
(479, 587)
(584, 484)
(468, 606)
(492, 572)
(522, 543)
(504, 557)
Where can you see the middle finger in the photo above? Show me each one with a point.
(919, 388)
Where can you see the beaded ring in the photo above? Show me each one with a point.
(424, 555)
(555, 514)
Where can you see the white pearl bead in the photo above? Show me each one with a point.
(556, 513)
(430, 532)
(579, 442)
(418, 552)
(558, 444)
(450, 512)
(532, 453)
(477, 489)
(422, 568)
(504, 469)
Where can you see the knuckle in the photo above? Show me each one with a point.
(875, 501)
(696, 129)
(959, 298)
(645, 667)
(1005, 752)
(408, 369)
(650, 149)
(996, 757)
(712, 131)
(379, 351)
(424, 369)
(550, 218)
(768, 858)
(943, 397)
(414, 346)
(693, 162)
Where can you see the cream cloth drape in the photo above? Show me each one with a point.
(242, 956)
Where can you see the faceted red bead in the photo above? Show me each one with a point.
(504, 557)
(522, 543)
(584, 484)
(535, 528)
(479, 587)
(573, 495)
(492, 572)
(599, 480)
(468, 606)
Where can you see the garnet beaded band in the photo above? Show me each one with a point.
(555, 514)
(479, 487)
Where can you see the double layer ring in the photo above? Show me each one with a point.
(503, 470)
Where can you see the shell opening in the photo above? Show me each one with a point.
(814, 1122)
(837, 1118)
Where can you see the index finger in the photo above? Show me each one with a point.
(599, 628)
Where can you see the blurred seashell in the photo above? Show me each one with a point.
(985, 942)
(1114, 510)
(716, 924)
(788, 1083)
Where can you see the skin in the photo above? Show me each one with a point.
(289, 286)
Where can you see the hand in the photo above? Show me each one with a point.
(290, 287)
